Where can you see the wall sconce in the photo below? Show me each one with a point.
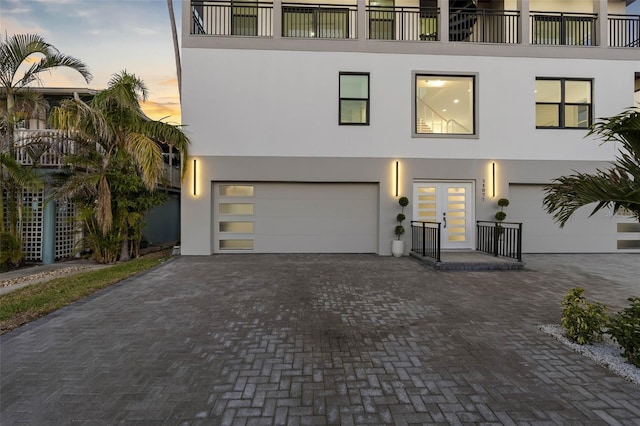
(493, 180)
(397, 173)
(194, 177)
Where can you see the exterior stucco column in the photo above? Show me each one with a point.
(49, 232)
(277, 19)
(525, 22)
(443, 21)
(362, 20)
(602, 29)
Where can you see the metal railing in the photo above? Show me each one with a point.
(319, 20)
(402, 23)
(44, 148)
(500, 238)
(425, 238)
(562, 28)
(488, 26)
(624, 30)
(237, 18)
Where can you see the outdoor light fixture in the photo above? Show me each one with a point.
(493, 179)
(194, 177)
(397, 168)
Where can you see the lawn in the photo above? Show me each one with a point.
(34, 301)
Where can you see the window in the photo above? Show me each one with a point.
(382, 19)
(563, 103)
(244, 18)
(445, 104)
(301, 21)
(354, 99)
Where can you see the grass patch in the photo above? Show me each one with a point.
(34, 301)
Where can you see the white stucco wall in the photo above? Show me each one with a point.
(284, 103)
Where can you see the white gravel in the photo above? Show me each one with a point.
(605, 353)
(42, 275)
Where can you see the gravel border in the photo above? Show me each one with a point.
(605, 353)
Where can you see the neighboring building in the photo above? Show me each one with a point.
(50, 230)
(307, 121)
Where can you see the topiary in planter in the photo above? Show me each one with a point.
(399, 230)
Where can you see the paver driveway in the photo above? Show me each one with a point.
(320, 339)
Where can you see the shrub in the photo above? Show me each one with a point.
(583, 322)
(625, 329)
(10, 251)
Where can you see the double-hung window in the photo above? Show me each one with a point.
(563, 103)
(354, 99)
(444, 104)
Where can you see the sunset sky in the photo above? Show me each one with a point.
(108, 36)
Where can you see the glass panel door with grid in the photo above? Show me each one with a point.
(451, 204)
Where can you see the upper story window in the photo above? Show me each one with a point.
(563, 103)
(445, 104)
(354, 98)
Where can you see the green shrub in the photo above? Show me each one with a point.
(583, 322)
(625, 329)
(10, 251)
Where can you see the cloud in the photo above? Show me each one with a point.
(11, 25)
(172, 82)
(168, 111)
(16, 11)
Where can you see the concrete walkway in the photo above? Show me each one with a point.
(320, 339)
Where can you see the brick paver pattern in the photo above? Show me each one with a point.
(320, 339)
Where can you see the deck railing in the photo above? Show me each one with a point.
(624, 30)
(425, 238)
(562, 28)
(44, 148)
(402, 23)
(406, 23)
(487, 26)
(319, 20)
(500, 238)
(237, 18)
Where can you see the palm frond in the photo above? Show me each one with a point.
(147, 156)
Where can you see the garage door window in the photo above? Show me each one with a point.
(235, 215)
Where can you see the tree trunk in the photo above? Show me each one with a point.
(176, 47)
(124, 247)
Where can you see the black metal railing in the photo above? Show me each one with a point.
(561, 28)
(425, 238)
(319, 20)
(486, 26)
(500, 238)
(624, 30)
(402, 23)
(239, 18)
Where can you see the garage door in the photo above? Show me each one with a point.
(542, 235)
(295, 217)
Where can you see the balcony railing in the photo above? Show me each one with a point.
(500, 239)
(425, 238)
(624, 30)
(570, 29)
(485, 26)
(44, 148)
(340, 21)
(402, 23)
(319, 20)
(232, 18)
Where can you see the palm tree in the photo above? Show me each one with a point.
(617, 187)
(16, 77)
(115, 139)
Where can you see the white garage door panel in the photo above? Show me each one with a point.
(541, 234)
(314, 218)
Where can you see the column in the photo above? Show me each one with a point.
(443, 21)
(49, 232)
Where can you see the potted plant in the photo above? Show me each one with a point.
(397, 245)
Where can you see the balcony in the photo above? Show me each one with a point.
(42, 148)
(358, 21)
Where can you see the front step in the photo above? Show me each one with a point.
(469, 261)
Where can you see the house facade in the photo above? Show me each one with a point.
(308, 120)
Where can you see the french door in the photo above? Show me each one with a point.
(451, 204)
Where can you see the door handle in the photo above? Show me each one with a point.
(444, 219)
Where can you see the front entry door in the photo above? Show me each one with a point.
(451, 204)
